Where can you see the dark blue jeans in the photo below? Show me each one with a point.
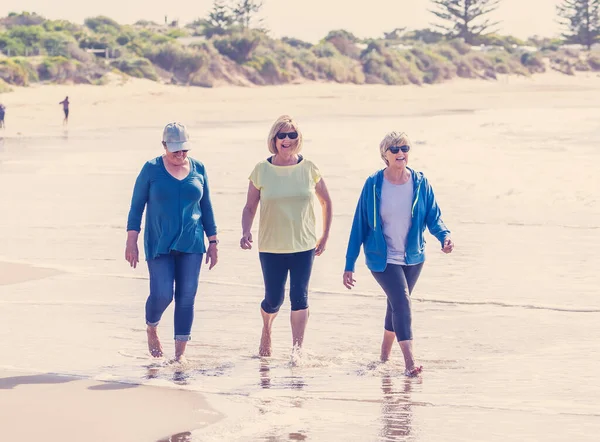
(275, 268)
(398, 282)
(174, 275)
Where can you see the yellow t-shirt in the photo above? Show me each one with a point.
(287, 213)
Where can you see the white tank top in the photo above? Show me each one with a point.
(395, 211)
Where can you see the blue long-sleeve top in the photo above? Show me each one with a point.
(178, 212)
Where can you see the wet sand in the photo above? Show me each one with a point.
(50, 407)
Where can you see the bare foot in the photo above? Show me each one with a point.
(297, 356)
(413, 372)
(181, 359)
(265, 344)
(154, 343)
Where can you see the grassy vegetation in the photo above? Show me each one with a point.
(33, 49)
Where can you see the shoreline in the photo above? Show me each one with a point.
(96, 108)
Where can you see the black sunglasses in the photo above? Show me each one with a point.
(396, 149)
(290, 135)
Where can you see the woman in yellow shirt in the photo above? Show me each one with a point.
(285, 184)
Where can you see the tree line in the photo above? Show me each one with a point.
(469, 19)
(466, 19)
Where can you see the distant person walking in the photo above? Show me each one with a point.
(285, 185)
(395, 206)
(173, 189)
(65, 104)
(2, 114)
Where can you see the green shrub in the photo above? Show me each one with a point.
(145, 23)
(29, 35)
(61, 26)
(239, 46)
(460, 46)
(594, 62)
(435, 68)
(97, 41)
(296, 43)
(426, 36)
(448, 52)
(123, 39)
(15, 71)
(177, 33)
(180, 61)
(533, 62)
(102, 24)
(4, 88)
(57, 43)
(136, 67)
(11, 46)
(502, 68)
(506, 41)
(22, 19)
(324, 50)
(582, 66)
(28, 67)
(58, 69)
(344, 42)
(270, 71)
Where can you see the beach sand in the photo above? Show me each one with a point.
(48, 407)
(51, 407)
(506, 326)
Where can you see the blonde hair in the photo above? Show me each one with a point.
(287, 123)
(392, 139)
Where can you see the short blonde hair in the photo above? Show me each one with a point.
(393, 139)
(287, 123)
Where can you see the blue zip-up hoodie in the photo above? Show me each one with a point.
(367, 226)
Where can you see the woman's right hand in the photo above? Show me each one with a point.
(349, 280)
(132, 253)
(246, 241)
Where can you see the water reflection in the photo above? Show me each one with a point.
(186, 436)
(265, 373)
(152, 371)
(293, 382)
(396, 408)
(181, 376)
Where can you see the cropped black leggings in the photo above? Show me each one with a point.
(398, 281)
(275, 268)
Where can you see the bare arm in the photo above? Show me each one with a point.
(326, 208)
(248, 215)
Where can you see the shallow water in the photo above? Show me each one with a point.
(506, 326)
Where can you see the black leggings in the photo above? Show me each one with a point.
(275, 268)
(398, 281)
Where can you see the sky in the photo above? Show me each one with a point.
(308, 20)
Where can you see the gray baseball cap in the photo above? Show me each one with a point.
(176, 136)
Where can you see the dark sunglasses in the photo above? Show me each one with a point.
(396, 149)
(290, 135)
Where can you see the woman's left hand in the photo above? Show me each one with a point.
(448, 245)
(212, 255)
(321, 243)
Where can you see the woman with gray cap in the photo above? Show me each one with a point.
(173, 188)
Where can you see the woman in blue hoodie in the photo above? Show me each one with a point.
(395, 206)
